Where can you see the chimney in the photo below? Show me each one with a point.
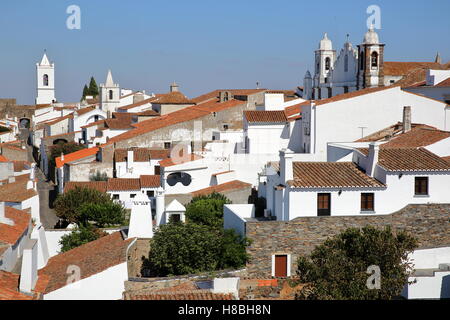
(62, 156)
(11, 179)
(141, 222)
(130, 158)
(28, 274)
(406, 119)
(372, 158)
(286, 170)
(32, 172)
(174, 87)
(160, 207)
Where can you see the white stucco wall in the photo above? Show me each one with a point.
(267, 138)
(342, 120)
(234, 216)
(106, 285)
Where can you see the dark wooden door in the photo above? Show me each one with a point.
(280, 266)
(324, 204)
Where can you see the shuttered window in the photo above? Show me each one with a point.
(421, 186)
(367, 202)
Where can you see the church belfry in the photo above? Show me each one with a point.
(109, 94)
(324, 61)
(45, 73)
(370, 61)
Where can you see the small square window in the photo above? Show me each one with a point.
(150, 193)
(367, 201)
(115, 197)
(166, 145)
(421, 186)
(132, 195)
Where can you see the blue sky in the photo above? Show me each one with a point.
(203, 45)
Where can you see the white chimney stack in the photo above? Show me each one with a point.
(160, 207)
(28, 274)
(141, 222)
(130, 159)
(62, 156)
(406, 119)
(286, 170)
(32, 172)
(372, 158)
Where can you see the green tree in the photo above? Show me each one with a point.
(85, 92)
(207, 210)
(93, 88)
(103, 214)
(63, 147)
(186, 248)
(337, 269)
(80, 236)
(68, 204)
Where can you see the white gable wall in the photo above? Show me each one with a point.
(106, 285)
(341, 120)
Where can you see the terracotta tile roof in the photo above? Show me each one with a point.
(168, 162)
(3, 159)
(84, 110)
(416, 137)
(173, 98)
(331, 175)
(20, 165)
(349, 95)
(201, 294)
(391, 131)
(9, 287)
(124, 184)
(77, 155)
(296, 109)
(223, 172)
(16, 191)
(411, 159)
(10, 234)
(184, 115)
(215, 105)
(150, 181)
(92, 258)
(96, 123)
(393, 68)
(121, 123)
(446, 159)
(141, 154)
(224, 187)
(137, 104)
(148, 113)
(97, 185)
(59, 119)
(255, 116)
(215, 94)
(445, 83)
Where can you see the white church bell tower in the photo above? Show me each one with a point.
(109, 94)
(45, 72)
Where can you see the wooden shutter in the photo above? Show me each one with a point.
(324, 204)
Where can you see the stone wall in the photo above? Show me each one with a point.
(429, 223)
(136, 255)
